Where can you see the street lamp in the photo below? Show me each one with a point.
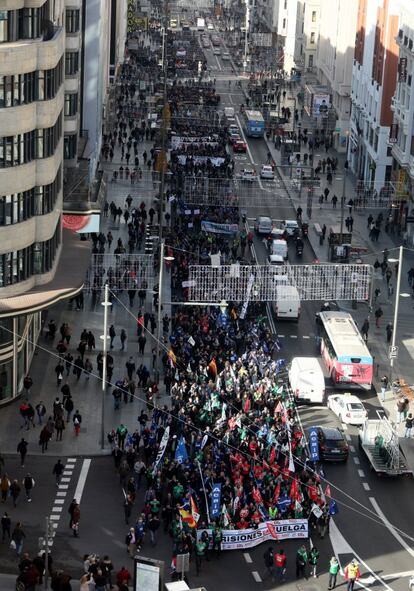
(159, 320)
(106, 304)
(393, 352)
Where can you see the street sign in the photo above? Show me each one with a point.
(393, 352)
(183, 563)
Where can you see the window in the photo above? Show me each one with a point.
(71, 104)
(71, 63)
(25, 147)
(314, 16)
(22, 89)
(72, 21)
(70, 146)
(31, 22)
(284, 24)
(9, 26)
(310, 61)
(312, 38)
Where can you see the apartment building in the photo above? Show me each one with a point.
(374, 78)
(402, 130)
(335, 58)
(35, 254)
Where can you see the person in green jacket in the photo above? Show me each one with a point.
(313, 561)
(333, 572)
(217, 539)
(200, 552)
(301, 562)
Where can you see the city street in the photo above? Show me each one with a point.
(375, 514)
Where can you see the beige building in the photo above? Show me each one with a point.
(35, 256)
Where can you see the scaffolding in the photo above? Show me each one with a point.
(316, 282)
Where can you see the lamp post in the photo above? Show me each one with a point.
(159, 318)
(393, 352)
(106, 304)
(344, 192)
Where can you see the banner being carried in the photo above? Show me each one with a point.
(161, 449)
(239, 539)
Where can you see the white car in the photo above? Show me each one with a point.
(267, 172)
(275, 259)
(210, 27)
(225, 56)
(263, 225)
(248, 174)
(348, 408)
(291, 227)
(216, 50)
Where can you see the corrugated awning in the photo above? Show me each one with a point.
(67, 282)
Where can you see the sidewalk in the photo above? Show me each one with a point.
(87, 393)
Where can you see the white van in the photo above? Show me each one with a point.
(229, 112)
(279, 247)
(287, 304)
(307, 380)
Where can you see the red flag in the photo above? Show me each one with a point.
(257, 496)
(265, 465)
(232, 423)
(276, 494)
(328, 491)
(272, 456)
(272, 530)
(212, 367)
(294, 490)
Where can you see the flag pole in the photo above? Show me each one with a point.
(205, 492)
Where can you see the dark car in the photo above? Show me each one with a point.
(332, 444)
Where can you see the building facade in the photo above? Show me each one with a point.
(402, 131)
(373, 86)
(32, 103)
(334, 59)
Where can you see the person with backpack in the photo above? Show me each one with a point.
(77, 421)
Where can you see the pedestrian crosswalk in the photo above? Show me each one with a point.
(60, 498)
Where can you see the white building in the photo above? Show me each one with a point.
(335, 57)
(373, 85)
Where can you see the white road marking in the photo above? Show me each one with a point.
(305, 336)
(361, 473)
(293, 336)
(59, 501)
(356, 460)
(218, 63)
(390, 527)
(256, 576)
(352, 449)
(82, 480)
(63, 486)
(61, 494)
(71, 460)
(347, 437)
(67, 472)
(344, 426)
(366, 486)
(65, 480)
(247, 557)
(341, 546)
(281, 336)
(57, 509)
(231, 99)
(54, 517)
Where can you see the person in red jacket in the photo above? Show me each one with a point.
(280, 564)
(123, 577)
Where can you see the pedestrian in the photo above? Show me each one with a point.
(130, 541)
(112, 335)
(411, 276)
(59, 426)
(88, 368)
(27, 385)
(40, 411)
(402, 409)
(408, 425)
(74, 512)
(58, 471)
(69, 406)
(301, 562)
(128, 504)
(153, 526)
(44, 438)
(280, 564)
(17, 537)
(28, 484)
(384, 386)
(123, 337)
(333, 572)
(142, 340)
(5, 527)
(365, 329)
(352, 573)
(200, 552)
(4, 487)
(378, 315)
(130, 367)
(15, 490)
(22, 450)
(77, 421)
(68, 363)
(313, 561)
(388, 330)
